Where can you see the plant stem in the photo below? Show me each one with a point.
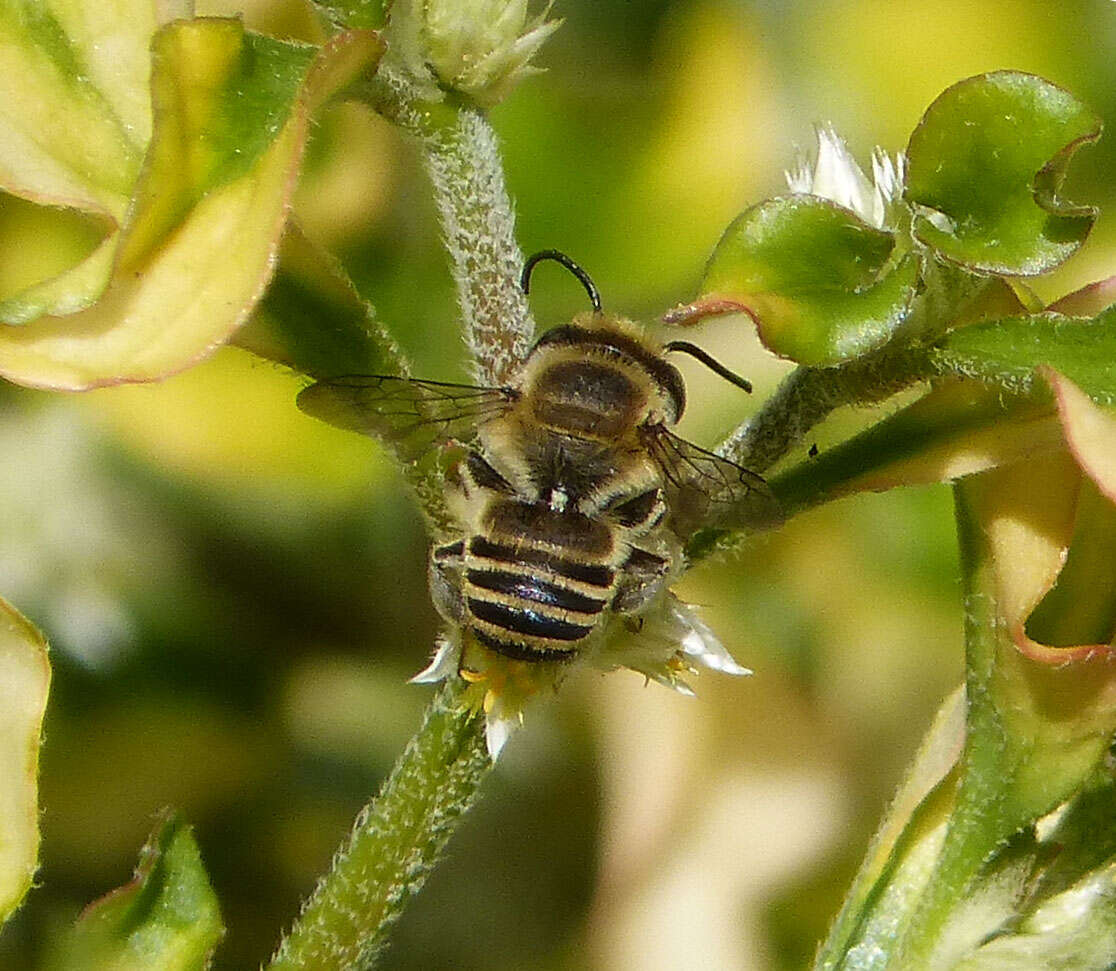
(806, 396)
(396, 841)
(400, 836)
(809, 394)
(478, 222)
(479, 226)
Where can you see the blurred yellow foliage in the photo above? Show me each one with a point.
(232, 421)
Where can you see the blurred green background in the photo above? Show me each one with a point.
(235, 594)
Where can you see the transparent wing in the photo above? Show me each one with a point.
(409, 414)
(704, 489)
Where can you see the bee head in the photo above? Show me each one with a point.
(612, 338)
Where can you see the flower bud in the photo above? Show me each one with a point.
(482, 48)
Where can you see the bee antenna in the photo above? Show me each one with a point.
(560, 257)
(715, 366)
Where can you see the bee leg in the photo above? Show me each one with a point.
(470, 484)
(643, 576)
(445, 577)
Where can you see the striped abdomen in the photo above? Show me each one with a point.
(537, 581)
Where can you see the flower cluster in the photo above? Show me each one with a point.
(483, 48)
(664, 644)
(835, 175)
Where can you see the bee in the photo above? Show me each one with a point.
(573, 495)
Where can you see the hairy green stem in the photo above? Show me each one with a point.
(806, 397)
(462, 158)
(400, 836)
(810, 394)
(479, 227)
(396, 841)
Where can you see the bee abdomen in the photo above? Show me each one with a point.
(520, 650)
(527, 622)
(533, 604)
(520, 587)
(591, 574)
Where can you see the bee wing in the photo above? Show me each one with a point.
(704, 489)
(410, 415)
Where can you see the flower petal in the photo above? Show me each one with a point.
(443, 665)
(837, 176)
(700, 643)
(497, 730)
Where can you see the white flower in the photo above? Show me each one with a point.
(663, 644)
(671, 638)
(444, 663)
(835, 175)
(482, 48)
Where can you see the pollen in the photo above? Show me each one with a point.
(678, 663)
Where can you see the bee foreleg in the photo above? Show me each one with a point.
(642, 577)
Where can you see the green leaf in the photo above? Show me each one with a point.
(77, 120)
(166, 918)
(903, 852)
(1074, 930)
(355, 14)
(24, 684)
(818, 281)
(984, 168)
(231, 112)
(984, 870)
(957, 429)
(1038, 731)
(313, 320)
(1006, 352)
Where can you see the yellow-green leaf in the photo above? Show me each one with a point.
(24, 683)
(985, 165)
(819, 282)
(231, 111)
(1089, 428)
(76, 116)
(166, 918)
(75, 123)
